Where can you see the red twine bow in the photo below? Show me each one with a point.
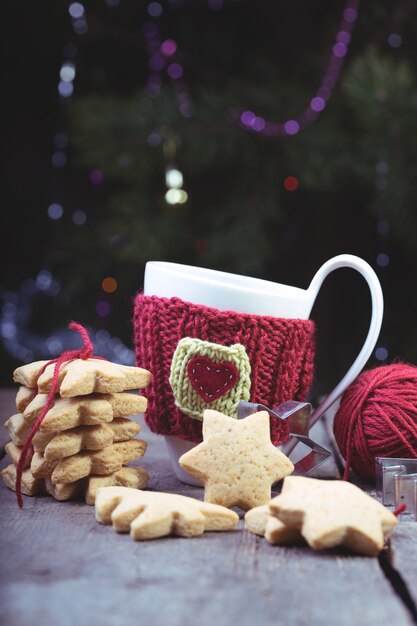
(83, 353)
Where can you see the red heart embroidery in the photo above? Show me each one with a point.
(211, 380)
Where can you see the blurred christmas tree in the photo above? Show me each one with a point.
(179, 173)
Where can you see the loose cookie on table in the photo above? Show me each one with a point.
(97, 408)
(330, 513)
(237, 461)
(148, 515)
(102, 462)
(80, 377)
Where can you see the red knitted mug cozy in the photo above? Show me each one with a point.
(280, 353)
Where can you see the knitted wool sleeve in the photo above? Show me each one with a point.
(280, 351)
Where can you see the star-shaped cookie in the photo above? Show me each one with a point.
(151, 514)
(236, 461)
(80, 377)
(330, 513)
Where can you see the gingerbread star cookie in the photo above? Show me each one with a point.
(330, 513)
(80, 377)
(134, 477)
(83, 410)
(101, 462)
(30, 486)
(236, 461)
(23, 397)
(150, 514)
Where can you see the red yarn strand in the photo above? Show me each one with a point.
(400, 509)
(83, 353)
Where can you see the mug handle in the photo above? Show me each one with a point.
(361, 266)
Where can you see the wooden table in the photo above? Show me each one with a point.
(61, 568)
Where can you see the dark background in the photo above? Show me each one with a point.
(355, 166)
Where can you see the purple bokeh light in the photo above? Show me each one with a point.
(156, 62)
(258, 124)
(102, 308)
(175, 71)
(339, 50)
(350, 15)
(96, 177)
(247, 118)
(291, 127)
(168, 47)
(343, 37)
(317, 104)
(155, 9)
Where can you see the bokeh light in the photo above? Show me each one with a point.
(96, 177)
(109, 284)
(395, 40)
(79, 218)
(155, 9)
(103, 308)
(174, 178)
(59, 159)
(350, 15)
(80, 27)
(381, 353)
(60, 140)
(76, 10)
(43, 280)
(291, 127)
(154, 139)
(168, 47)
(55, 211)
(65, 89)
(317, 104)
(67, 72)
(247, 118)
(291, 183)
(382, 260)
(175, 71)
(176, 196)
(383, 227)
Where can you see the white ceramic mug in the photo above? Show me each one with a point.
(242, 294)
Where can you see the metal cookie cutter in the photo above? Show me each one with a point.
(396, 482)
(298, 415)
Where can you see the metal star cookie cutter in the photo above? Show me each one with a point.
(298, 415)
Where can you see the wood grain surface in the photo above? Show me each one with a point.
(59, 567)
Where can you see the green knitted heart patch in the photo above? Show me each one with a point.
(208, 375)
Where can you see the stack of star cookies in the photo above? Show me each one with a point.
(85, 438)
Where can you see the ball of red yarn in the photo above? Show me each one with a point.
(378, 417)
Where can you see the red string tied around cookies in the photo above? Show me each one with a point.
(68, 355)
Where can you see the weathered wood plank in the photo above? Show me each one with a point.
(62, 568)
(404, 556)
